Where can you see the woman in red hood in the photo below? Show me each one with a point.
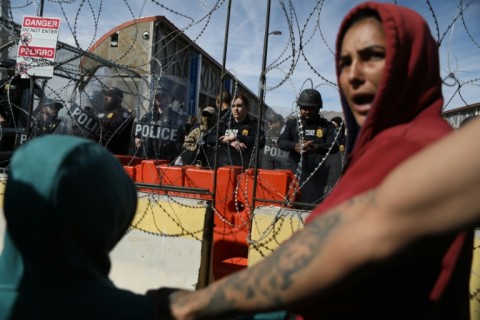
(390, 86)
(389, 76)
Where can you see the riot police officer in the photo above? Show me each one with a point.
(81, 121)
(46, 118)
(160, 133)
(272, 156)
(116, 122)
(308, 138)
(103, 120)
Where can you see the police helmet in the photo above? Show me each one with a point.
(310, 98)
(52, 104)
(114, 92)
(166, 87)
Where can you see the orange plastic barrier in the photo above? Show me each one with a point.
(225, 203)
(172, 176)
(229, 256)
(199, 178)
(277, 185)
(233, 199)
(230, 247)
(139, 173)
(234, 208)
(227, 207)
(129, 163)
(149, 172)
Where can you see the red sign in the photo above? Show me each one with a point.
(40, 22)
(37, 52)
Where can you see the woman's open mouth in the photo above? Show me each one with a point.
(362, 102)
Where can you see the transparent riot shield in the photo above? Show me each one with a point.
(160, 130)
(81, 117)
(102, 108)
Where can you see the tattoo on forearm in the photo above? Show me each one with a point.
(270, 279)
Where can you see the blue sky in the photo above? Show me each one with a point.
(315, 22)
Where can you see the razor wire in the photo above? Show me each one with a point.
(306, 39)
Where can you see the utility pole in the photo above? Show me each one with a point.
(261, 95)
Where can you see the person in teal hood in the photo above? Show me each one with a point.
(67, 203)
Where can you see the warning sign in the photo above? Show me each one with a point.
(36, 52)
(37, 47)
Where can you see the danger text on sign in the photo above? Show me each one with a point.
(34, 22)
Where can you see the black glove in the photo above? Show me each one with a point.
(161, 302)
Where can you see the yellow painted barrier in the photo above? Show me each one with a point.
(270, 227)
(170, 216)
(166, 245)
(475, 279)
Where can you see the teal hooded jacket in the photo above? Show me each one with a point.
(67, 203)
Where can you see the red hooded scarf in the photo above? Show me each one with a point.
(405, 117)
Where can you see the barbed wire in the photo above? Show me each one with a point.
(307, 38)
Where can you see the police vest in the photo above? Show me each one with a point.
(244, 130)
(113, 123)
(312, 132)
(159, 127)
